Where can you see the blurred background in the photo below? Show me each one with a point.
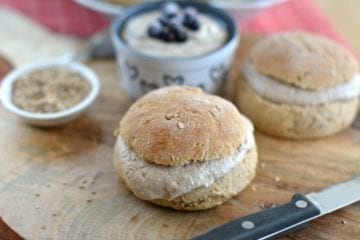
(333, 18)
(345, 17)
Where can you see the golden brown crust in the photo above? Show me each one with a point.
(293, 121)
(303, 60)
(176, 125)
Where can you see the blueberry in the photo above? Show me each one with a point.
(170, 10)
(155, 29)
(175, 23)
(164, 21)
(181, 35)
(191, 13)
(168, 36)
(191, 18)
(193, 24)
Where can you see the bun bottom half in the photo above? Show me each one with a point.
(217, 193)
(294, 121)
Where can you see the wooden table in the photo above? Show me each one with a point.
(60, 183)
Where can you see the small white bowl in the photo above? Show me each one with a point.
(56, 118)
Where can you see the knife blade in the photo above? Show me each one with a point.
(296, 214)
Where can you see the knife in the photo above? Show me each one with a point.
(279, 221)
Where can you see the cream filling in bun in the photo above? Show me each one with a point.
(152, 181)
(283, 93)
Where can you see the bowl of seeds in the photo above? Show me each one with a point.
(49, 93)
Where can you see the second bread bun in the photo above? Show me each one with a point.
(298, 85)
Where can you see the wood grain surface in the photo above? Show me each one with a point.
(24, 41)
(5, 67)
(60, 183)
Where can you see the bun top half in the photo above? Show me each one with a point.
(303, 60)
(177, 125)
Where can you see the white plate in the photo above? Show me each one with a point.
(241, 8)
(245, 4)
(102, 6)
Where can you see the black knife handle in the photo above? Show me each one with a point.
(267, 224)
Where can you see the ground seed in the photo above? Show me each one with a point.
(49, 90)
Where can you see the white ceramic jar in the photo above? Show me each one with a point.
(141, 73)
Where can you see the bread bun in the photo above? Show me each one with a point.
(297, 85)
(303, 60)
(198, 164)
(177, 125)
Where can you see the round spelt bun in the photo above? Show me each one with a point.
(216, 130)
(177, 125)
(307, 62)
(303, 60)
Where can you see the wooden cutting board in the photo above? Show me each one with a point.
(5, 67)
(60, 183)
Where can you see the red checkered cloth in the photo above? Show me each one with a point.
(63, 16)
(67, 17)
(294, 15)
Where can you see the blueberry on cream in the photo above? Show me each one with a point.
(170, 26)
(155, 29)
(190, 19)
(170, 10)
(172, 31)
